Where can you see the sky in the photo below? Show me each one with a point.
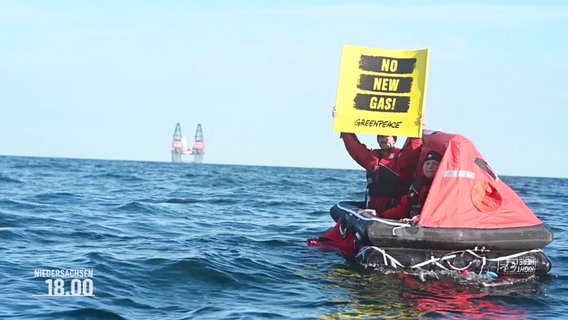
(110, 79)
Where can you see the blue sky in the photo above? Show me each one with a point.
(110, 79)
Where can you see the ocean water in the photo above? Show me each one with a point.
(204, 241)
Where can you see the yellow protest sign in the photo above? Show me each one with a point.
(381, 91)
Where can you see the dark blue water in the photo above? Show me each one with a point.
(186, 241)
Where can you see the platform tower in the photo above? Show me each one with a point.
(178, 145)
(199, 145)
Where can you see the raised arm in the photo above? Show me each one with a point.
(357, 150)
(410, 152)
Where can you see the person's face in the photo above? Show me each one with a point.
(386, 142)
(430, 167)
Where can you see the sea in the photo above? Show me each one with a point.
(97, 239)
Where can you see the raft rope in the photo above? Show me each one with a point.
(385, 221)
(391, 261)
(395, 224)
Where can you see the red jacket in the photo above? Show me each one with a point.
(390, 174)
(410, 204)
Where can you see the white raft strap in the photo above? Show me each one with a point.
(395, 223)
(484, 260)
(391, 260)
(445, 258)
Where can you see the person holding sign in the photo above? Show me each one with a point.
(380, 92)
(390, 170)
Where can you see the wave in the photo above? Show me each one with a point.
(84, 314)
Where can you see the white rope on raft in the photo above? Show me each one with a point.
(394, 223)
(385, 221)
(391, 261)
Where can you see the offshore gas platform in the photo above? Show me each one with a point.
(180, 149)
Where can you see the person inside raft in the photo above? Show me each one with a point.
(411, 204)
(389, 169)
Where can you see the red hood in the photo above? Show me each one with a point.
(465, 192)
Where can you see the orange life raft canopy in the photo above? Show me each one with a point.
(466, 193)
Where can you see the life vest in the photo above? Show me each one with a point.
(384, 177)
(417, 195)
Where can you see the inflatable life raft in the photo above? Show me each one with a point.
(471, 220)
(395, 244)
